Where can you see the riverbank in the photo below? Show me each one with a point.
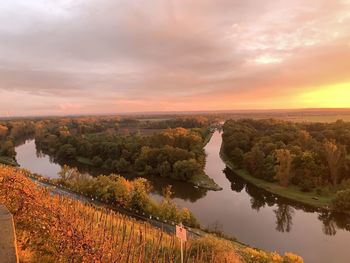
(208, 137)
(203, 180)
(292, 193)
(8, 161)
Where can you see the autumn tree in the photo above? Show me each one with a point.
(3, 131)
(283, 168)
(335, 155)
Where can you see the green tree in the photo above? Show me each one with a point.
(66, 151)
(97, 161)
(122, 165)
(164, 169)
(341, 201)
(186, 169)
(237, 156)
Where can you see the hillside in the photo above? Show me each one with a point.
(52, 228)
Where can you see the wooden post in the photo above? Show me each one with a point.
(8, 247)
(182, 235)
(182, 251)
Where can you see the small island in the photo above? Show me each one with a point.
(171, 148)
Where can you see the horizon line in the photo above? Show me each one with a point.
(180, 112)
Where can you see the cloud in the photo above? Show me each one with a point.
(150, 55)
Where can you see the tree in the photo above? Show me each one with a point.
(186, 169)
(140, 198)
(341, 201)
(66, 151)
(254, 161)
(122, 165)
(283, 168)
(336, 156)
(3, 131)
(8, 149)
(164, 169)
(237, 156)
(97, 161)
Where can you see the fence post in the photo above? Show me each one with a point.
(8, 248)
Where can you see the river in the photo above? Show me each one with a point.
(251, 215)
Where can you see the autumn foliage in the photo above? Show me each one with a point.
(53, 228)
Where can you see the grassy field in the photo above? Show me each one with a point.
(53, 228)
(322, 116)
(291, 192)
(318, 118)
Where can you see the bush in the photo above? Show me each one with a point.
(319, 191)
(224, 249)
(252, 255)
(306, 185)
(341, 201)
(135, 194)
(53, 228)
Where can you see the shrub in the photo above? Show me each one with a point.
(135, 194)
(306, 185)
(252, 255)
(224, 250)
(341, 201)
(51, 228)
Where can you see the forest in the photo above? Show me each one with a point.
(176, 153)
(309, 156)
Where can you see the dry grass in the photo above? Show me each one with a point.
(51, 228)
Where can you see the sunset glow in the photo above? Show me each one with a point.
(63, 57)
(332, 96)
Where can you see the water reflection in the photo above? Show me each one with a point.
(333, 221)
(284, 214)
(285, 209)
(250, 214)
(282, 208)
(181, 190)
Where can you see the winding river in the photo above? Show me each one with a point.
(253, 216)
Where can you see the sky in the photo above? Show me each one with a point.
(113, 56)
